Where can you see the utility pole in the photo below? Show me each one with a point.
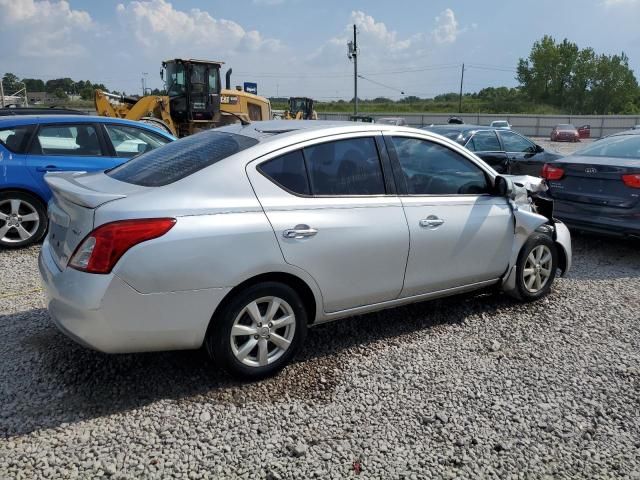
(353, 54)
(461, 82)
(144, 83)
(1, 93)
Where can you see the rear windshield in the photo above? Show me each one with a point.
(181, 158)
(623, 146)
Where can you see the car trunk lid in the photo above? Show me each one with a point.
(76, 195)
(596, 181)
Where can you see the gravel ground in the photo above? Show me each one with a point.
(467, 387)
(563, 147)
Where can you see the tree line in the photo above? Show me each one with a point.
(578, 81)
(61, 88)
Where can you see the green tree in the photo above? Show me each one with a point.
(10, 83)
(60, 93)
(33, 84)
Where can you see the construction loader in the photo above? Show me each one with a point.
(194, 100)
(300, 108)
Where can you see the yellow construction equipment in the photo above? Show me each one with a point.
(300, 108)
(194, 101)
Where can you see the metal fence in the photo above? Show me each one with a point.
(530, 125)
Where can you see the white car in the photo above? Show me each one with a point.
(501, 124)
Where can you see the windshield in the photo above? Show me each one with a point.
(297, 104)
(175, 79)
(181, 158)
(565, 127)
(499, 124)
(623, 146)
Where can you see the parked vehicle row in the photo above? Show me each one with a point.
(239, 238)
(31, 146)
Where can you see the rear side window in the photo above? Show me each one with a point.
(130, 141)
(484, 142)
(345, 167)
(289, 172)
(15, 138)
(76, 140)
(181, 158)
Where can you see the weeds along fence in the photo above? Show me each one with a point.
(530, 125)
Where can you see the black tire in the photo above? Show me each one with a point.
(536, 240)
(28, 205)
(220, 345)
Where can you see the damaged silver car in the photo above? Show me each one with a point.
(240, 238)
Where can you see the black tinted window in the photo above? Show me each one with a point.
(432, 169)
(515, 143)
(288, 171)
(181, 158)
(484, 142)
(15, 138)
(345, 167)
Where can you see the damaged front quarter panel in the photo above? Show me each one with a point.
(532, 214)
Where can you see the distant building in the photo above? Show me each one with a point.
(38, 98)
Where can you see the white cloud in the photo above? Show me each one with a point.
(156, 25)
(446, 30)
(44, 28)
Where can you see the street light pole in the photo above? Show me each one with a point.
(461, 82)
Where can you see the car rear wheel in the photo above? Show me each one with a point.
(258, 331)
(23, 219)
(536, 267)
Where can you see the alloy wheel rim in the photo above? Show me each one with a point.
(263, 331)
(19, 220)
(537, 268)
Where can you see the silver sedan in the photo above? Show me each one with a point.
(240, 238)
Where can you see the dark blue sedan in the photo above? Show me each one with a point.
(597, 188)
(31, 146)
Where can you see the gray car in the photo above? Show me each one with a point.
(240, 238)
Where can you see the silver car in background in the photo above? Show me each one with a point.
(239, 238)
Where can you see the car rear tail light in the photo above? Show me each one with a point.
(632, 180)
(549, 172)
(103, 247)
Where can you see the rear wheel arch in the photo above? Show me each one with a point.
(296, 283)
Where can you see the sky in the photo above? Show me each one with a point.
(299, 47)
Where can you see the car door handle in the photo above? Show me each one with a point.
(431, 221)
(48, 168)
(299, 231)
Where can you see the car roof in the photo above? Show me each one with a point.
(11, 121)
(465, 127)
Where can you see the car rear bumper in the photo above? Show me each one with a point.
(598, 219)
(103, 312)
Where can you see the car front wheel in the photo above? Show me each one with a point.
(536, 267)
(258, 331)
(23, 219)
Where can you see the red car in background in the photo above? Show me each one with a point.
(565, 132)
(584, 131)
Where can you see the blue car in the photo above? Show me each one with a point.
(31, 146)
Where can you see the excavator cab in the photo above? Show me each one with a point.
(301, 108)
(193, 87)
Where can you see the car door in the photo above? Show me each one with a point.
(486, 145)
(335, 215)
(460, 234)
(524, 156)
(67, 147)
(128, 141)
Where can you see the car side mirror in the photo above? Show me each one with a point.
(539, 149)
(504, 187)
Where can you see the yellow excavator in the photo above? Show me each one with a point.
(300, 108)
(194, 100)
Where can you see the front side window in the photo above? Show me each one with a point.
(484, 142)
(433, 169)
(515, 143)
(181, 158)
(77, 140)
(130, 141)
(15, 138)
(345, 167)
